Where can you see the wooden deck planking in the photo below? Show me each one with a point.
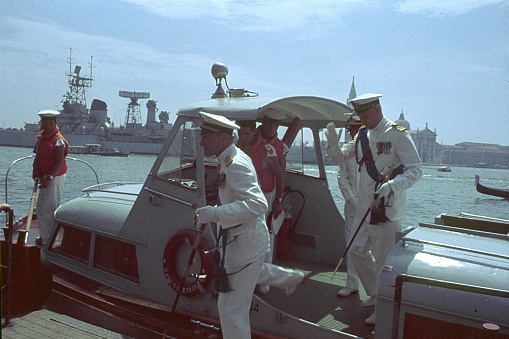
(46, 324)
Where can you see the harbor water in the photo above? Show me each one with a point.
(437, 192)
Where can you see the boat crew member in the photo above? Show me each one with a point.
(393, 158)
(240, 211)
(270, 177)
(272, 118)
(49, 167)
(347, 181)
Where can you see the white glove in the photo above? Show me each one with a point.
(331, 135)
(332, 139)
(206, 214)
(384, 190)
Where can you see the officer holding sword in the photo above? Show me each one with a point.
(388, 164)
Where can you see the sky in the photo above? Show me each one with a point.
(443, 63)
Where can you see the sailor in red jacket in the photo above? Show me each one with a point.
(277, 152)
(49, 167)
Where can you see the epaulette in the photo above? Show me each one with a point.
(399, 127)
(228, 160)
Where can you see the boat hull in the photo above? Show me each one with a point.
(496, 192)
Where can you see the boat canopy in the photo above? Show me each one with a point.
(305, 108)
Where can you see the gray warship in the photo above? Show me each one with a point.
(81, 125)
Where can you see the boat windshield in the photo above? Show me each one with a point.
(180, 159)
(302, 157)
(306, 146)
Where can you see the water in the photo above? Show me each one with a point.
(437, 192)
(133, 168)
(452, 193)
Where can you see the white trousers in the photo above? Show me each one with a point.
(234, 306)
(48, 201)
(270, 199)
(370, 249)
(352, 278)
(277, 276)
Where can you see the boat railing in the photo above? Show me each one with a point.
(460, 247)
(107, 186)
(473, 222)
(463, 214)
(32, 156)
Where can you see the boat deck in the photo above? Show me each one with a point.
(316, 300)
(47, 324)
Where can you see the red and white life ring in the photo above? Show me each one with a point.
(195, 286)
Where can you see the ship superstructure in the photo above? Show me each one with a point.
(74, 108)
(82, 125)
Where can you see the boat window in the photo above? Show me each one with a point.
(179, 164)
(116, 257)
(302, 155)
(72, 242)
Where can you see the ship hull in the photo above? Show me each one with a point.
(17, 138)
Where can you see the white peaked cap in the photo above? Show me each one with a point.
(48, 114)
(217, 123)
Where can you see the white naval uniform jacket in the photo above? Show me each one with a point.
(242, 203)
(390, 147)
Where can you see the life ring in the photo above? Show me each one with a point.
(175, 261)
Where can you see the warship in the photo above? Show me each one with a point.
(81, 125)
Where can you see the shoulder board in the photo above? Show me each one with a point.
(228, 160)
(399, 127)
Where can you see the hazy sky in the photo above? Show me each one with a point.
(445, 63)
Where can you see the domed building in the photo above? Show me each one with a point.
(425, 141)
(402, 121)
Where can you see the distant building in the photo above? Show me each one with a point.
(462, 154)
(425, 141)
(476, 155)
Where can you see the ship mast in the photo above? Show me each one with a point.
(75, 110)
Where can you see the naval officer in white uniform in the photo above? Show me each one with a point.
(392, 151)
(242, 213)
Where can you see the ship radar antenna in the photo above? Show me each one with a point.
(133, 116)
